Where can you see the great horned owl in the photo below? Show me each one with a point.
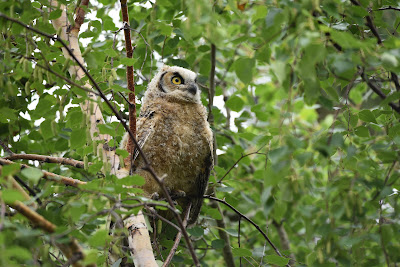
(174, 134)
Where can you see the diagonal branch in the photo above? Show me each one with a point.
(378, 91)
(247, 219)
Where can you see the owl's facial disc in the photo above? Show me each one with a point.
(180, 85)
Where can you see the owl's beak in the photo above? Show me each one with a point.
(192, 89)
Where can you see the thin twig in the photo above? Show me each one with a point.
(249, 220)
(6, 148)
(32, 193)
(378, 91)
(240, 258)
(388, 8)
(369, 23)
(237, 161)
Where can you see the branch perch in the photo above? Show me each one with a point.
(48, 159)
(48, 175)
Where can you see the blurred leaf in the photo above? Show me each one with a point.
(241, 252)
(277, 260)
(32, 174)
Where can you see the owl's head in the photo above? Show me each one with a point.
(174, 83)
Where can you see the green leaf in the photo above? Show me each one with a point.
(261, 12)
(367, 116)
(111, 52)
(244, 69)
(78, 138)
(196, 231)
(218, 243)
(242, 252)
(32, 174)
(131, 180)
(346, 40)
(10, 169)
(235, 103)
(106, 129)
(11, 195)
(276, 260)
(128, 61)
(361, 131)
(99, 238)
(7, 114)
(122, 152)
(55, 14)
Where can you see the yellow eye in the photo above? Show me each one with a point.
(176, 80)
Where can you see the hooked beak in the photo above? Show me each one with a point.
(193, 88)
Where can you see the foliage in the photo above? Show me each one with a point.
(294, 82)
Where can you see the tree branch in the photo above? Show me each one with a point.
(48, 175)
(242, 157)
(48, 159)
(6, 148)
(129, 77)
(378, 91)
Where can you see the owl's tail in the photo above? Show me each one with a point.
(195, 209)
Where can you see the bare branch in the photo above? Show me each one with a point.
(48, 159)
(388, 8)
(237, 161)
(48, 175)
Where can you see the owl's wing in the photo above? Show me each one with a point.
(145, 128)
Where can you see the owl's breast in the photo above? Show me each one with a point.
(179, 147)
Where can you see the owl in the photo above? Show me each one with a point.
(174, 134)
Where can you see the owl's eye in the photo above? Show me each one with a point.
(176, 80)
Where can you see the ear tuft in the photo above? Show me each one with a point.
(164, 67)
